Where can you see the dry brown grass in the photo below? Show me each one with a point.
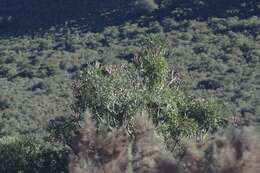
(114, 152)
(233, 151)
(100, 152)
(236, 151)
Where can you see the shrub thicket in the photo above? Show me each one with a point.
(29, 155)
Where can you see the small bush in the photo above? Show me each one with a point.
(28, 155)
(146, 5)
(209, 84)
(7, 71)
(4, 103)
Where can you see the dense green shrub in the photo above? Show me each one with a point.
(62, 128)
(28, 155)
(114, 94)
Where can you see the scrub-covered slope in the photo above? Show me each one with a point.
(218, 52)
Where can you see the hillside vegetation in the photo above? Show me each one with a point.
(49, 48)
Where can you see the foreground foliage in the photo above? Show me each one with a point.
(113, 151)
(229, 151)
